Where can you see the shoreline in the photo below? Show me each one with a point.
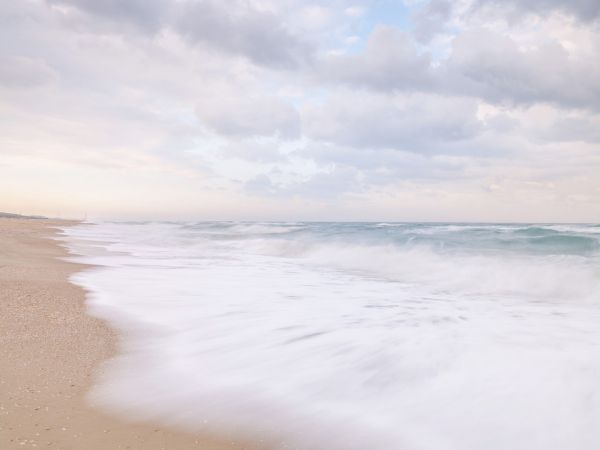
(51, 351)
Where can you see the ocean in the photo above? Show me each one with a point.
(352, 336)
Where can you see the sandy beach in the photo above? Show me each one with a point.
(50, 351)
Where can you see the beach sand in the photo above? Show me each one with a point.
(50, 351)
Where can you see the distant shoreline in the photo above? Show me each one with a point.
(5, 215)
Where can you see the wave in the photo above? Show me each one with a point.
(567, 244)
(535, 231)
(353, 336)
(530, 277)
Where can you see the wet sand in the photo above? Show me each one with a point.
(51, 350)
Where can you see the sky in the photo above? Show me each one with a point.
(414, 110)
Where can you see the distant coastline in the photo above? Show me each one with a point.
(6, 215)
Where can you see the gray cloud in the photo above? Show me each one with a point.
(431, 19)
(585, 10)
(148, 15)
(238, 28)
(489, 65)
(481, 64)
(571, 129)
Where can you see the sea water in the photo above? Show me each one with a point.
(353, 336)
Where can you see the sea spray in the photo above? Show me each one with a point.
(352, 336)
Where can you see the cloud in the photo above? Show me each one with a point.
(549, 126)
(431, 19)
(571, 129)
(238, 28)
(389, 62)
(23, 72)
(493, 66)
(385, 166)
(239, 115)
(584, 10)
(413, 123)
(324, 185)
(339, 181)
(545, 61)
(290, 100)
(259, 151)
(146, 15)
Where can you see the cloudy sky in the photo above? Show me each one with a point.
(481, 110)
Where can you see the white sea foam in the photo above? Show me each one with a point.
(333, 336)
